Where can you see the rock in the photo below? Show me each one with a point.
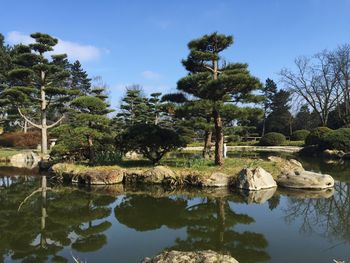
(99, 177)
(206, 256)
(333, 154)
(305, 180)
(159, 174)
(346, 156)
(257, 197)
(293, 175)
(216, 180)
(255, 179)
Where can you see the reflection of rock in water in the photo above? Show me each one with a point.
(257, 197)
(25, 160)
(302, 194)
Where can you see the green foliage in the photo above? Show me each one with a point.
(280, 119)
(20, 139)
(300, 135)
(316, 135)
(336, 140)
(272, 139)
(150, 140)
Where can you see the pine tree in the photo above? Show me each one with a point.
(268, 92)
(280, 119)
(39, 82)
(213, 79)
(79, 79)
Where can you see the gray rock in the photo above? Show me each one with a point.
(206, 256)
(158, 175)
(255, 179)
(99, 177)
(305, 180)
(333, 154)
(293, 175)
(24, 160)
(216, 180)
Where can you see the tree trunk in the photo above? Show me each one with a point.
(43, 116)
(219, 138)
(207, 144)
(222, 218)
(25, 127)
(264, 125)
(91, 151)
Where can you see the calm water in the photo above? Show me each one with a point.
(116, 224)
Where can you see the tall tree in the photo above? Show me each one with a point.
(211, 78)
(268, 91)
(41, 81)
(315, 83)
(305, 119)
(280, 118)
(79, 79)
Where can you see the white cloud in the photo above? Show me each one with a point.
(148, 74)
(72, 49)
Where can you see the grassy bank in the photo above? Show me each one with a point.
(7, 153)
(181, 166)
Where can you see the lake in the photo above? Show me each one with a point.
(40, 222)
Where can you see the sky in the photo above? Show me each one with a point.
(143, 41)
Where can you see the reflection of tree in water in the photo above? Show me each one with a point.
(48, 221)
(209, 224)
(328, 217)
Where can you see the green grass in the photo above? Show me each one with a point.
(183, 166)
(6, 153)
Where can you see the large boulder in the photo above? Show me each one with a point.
(99, 177)
(206, 256)
(158, 175)
(255, 179)
(216, 180)
(293, 175)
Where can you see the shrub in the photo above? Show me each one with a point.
(20, 139)
(150, 140)
(272, 139)
(336, 140)
(316, 134)
(300, 135)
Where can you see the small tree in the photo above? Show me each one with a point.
(268, 92)
(150, 140)
(213, 79)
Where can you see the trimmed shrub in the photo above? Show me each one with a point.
(20, 139)
(300, 135)
(315, 135)
(336, 140)
(272, 139)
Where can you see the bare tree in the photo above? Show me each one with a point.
(314, 82)
(340, 60)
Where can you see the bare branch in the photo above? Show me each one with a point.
(57, 122)
(29, 121)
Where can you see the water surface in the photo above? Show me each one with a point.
(125, 224)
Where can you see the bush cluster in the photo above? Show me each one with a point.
(315, 136)
(20, 139)
(336, 140)
(272, 139)
(300, 135)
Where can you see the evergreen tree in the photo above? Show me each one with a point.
(79, 79)
(306, 120)
(134, 107)
(280, 119)
(40, 82)
(213, 79)
(268, 92)
(90, 131)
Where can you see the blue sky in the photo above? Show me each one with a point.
(143, 41)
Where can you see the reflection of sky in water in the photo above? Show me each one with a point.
(290, 229)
